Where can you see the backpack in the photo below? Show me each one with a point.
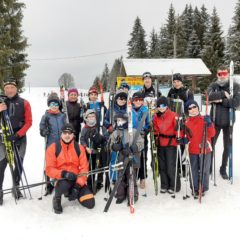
(59, 148)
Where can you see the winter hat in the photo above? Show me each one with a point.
(10, 81)
(162, 100)
(85, 117)
(146, 75)
(53, 97)
(72, 90)
(92, 90)
(177, 76)
(121, 93)
(124, 85)
(189, 103)
(68, 128)
(138, 95)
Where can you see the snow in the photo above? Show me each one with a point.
(155, 216)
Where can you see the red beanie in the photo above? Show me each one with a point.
(72, 90)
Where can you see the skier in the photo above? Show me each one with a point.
(178, 95)
(74, 111)
(95, 104)
(120, 143)
(120, 106)
(148, 89)
(94, 143)
(138, 110)
(195, 125)
(219, 96)
(50, 126)
(65, 167)
(165, 127)
(19, 111)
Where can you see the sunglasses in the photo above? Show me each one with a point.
(53, 104)
(193, 107)
(138, 99)
(162, 105)
(222, 74)
(147, 76)
(122, 99)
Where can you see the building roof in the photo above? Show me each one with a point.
(165, 66)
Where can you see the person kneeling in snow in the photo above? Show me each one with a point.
(65, 161)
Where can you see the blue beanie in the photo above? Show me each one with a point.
(189, 103)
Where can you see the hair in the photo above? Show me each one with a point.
(222, 68)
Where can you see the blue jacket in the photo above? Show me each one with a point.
(54, 123)
(137, 115)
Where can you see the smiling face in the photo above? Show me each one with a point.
(177, 84)
(67, 136)
(147, 82)
(72, 97)
(193, 110)
(10, 90)
(93, 97)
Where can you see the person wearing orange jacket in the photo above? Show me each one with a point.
(165, 131)
(195, 124)
(65, 167)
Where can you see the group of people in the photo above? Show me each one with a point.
(93, 137)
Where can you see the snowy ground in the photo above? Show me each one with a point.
(216, 217)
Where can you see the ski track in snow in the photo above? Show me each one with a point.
(154, 216)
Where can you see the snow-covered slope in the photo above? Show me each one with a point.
(155, 216)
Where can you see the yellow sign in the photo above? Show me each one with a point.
(131, 81)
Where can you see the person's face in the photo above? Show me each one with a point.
(222, 75)
(162, 108)
(193, 110)
(177, 84)
(10, 90)
(138, 102)
(121, 101)
(54, 106)
(147, 82)
(72, 97)
(93, 97)
(67, 136)
(91, 117)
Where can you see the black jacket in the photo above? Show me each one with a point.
(221, 108)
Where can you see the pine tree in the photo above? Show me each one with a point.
(233, 40)
(193, 48)
(95, 83)
(163, 42)
(13, 60)
(153, 45)
(105, 77)
(180, 39)
(137, 46)
(213, 51)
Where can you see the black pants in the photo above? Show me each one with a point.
(92, 166)
(123, 188)
(142, 174)
(85, 197)
(225, 145)
(167, 168)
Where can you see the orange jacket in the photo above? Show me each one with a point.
(67, 160)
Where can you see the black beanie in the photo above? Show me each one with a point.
(68, 127)
(138, 95)
(189, 103)
(162, 100)
(177, 76)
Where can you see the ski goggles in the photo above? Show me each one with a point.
(53, 104)
(192, 107)
(137, 99)
(222, 74)
(162, 105)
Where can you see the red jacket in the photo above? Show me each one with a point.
(196, 126)
(165, 128)
(67, 160)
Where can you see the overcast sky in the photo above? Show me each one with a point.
(75, 28)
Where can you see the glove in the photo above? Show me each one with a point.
(179, 140)
(74, 194)
(126, 151)
(69, 175)
(12, 138)
(134, 148)
(44, 132)
(208, 120)
(117, 147)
